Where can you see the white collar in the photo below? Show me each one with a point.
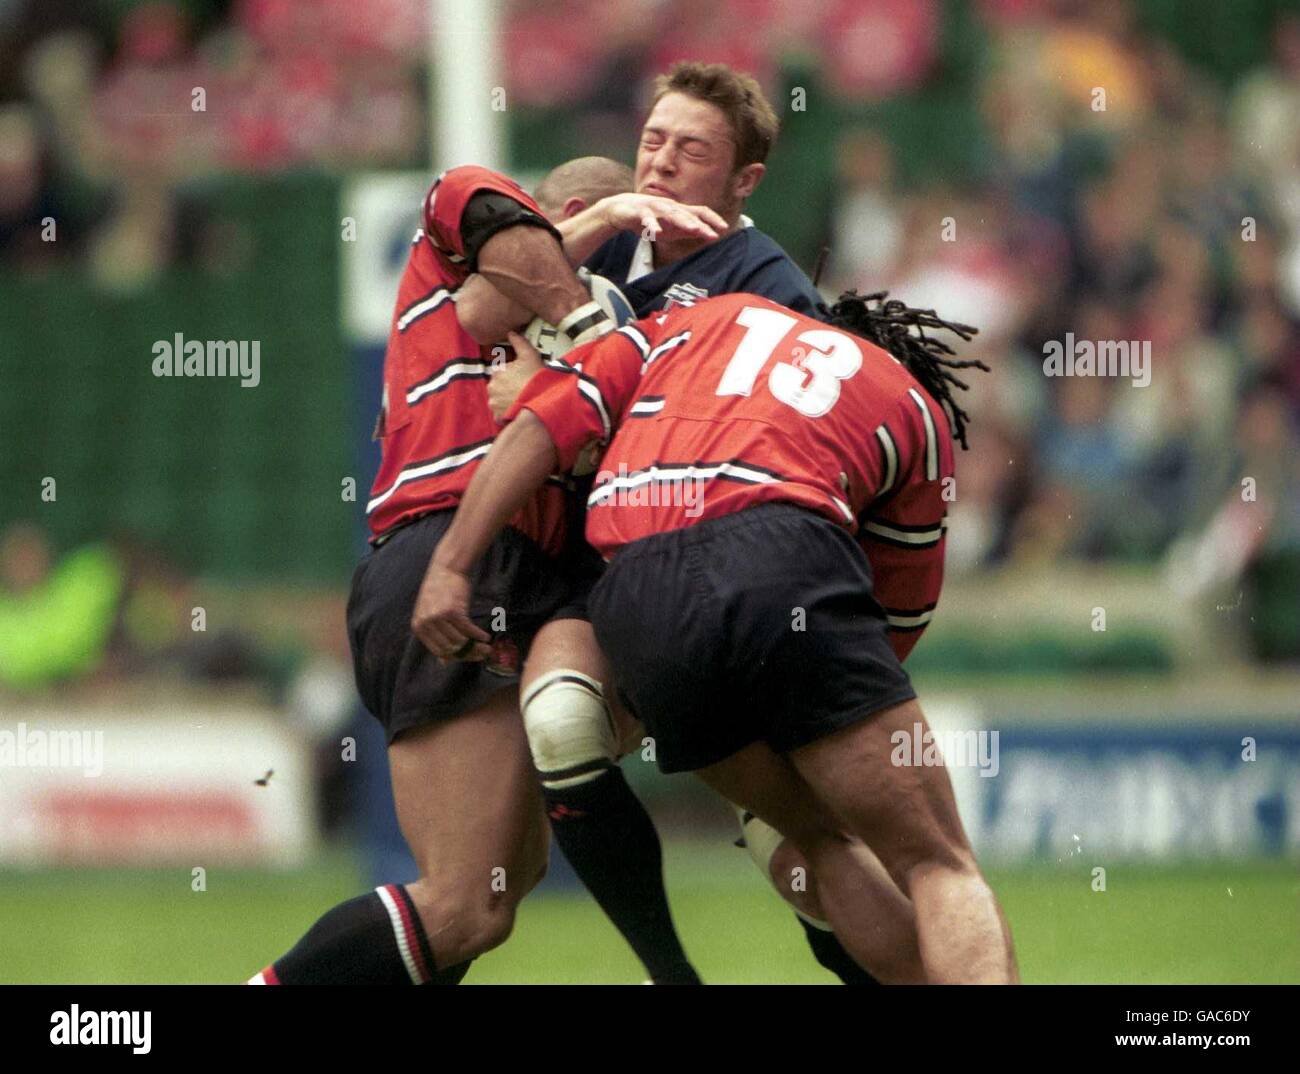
(643, 258)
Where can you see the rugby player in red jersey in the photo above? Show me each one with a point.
(463, 784)
(760, 464)
(704, 141)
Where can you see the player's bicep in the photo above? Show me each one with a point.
(489, 212)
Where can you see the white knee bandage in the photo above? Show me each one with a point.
(570, 731)
(761, 840)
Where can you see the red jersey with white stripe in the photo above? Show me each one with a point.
(435, 425)
(737, 401)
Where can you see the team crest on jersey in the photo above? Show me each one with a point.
(683, 294)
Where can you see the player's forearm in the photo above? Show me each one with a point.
(586, 232)
(516, 467)
(528, 267)
(661, 219)
(485, 313)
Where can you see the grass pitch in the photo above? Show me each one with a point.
(1225, 923)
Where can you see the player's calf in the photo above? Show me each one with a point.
(470, 910)
(869, 914)
(469, 808)
(375, 939)
(600, 824)
(780, 862)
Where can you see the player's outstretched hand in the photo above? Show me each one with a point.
(441, 617)
(654, 217)
(506, 382)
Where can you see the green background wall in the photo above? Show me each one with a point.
(226, 480)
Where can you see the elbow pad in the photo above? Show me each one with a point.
(488, 212)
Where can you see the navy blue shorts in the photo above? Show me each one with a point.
(517, 587)
(760, 626)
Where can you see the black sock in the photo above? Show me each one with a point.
(374, 939)
(830, 953)
(610, 841)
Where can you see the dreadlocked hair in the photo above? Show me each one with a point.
(889, 324)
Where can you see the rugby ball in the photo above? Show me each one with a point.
(548, 341)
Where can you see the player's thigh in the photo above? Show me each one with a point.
(570, 644)
(767, 784)
(467, 800)
(565, 643)
(905, 812)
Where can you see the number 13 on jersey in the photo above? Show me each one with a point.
(810, 383)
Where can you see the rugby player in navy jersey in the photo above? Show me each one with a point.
(462, 777)
(819, 455)
(704, 142)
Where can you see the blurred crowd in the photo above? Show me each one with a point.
(113, 115)
(1123, 193)
(1168, 211)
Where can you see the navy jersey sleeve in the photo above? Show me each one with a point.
(781, 280)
